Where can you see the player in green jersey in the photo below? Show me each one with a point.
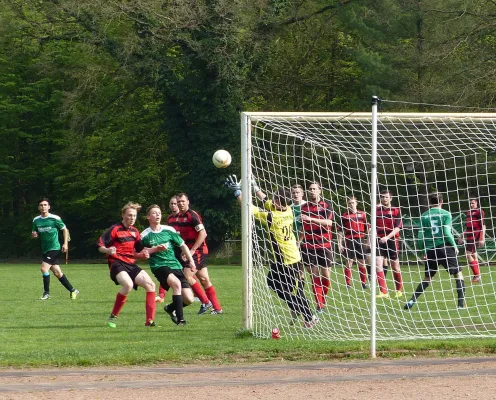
(436, 238)
(285, 274)
(160, 241)
(46, 227)
(297, 196)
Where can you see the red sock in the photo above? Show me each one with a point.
(381, 280)
(317, 292)
(347, 275)
(363, 274)
(150, 307)
(212, 296)
(474, 265)
(326, 284)
(198, 291)
(161, 292)
(398, 281)
(120, 300)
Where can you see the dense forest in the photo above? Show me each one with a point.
(103, 102)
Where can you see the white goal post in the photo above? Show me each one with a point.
(416, 154)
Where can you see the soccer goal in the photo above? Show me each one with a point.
(361, 154)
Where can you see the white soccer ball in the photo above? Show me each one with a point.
(221, 159)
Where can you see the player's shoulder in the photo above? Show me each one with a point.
(53, 216)
(146, 232)
(37, 218)
(167, 228)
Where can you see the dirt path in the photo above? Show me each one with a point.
(467, 378)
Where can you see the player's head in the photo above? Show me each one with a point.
(435, 199)
(43, 205)
(173, 205)
(282, 197)
(352, 203)
(297, 193)
(314, 191)
(182, 202)
(129, 213)
(154, 214)
(474, 203)
(386, 196)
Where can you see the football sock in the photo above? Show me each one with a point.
(460, 290)
(420, 289)
(120, 300)
(317, 292)
(398, 280)
(363, 273)
(150, 306)
(177, 304)
(46, 282)
(212, 296)
(326, 284)
(347, 275)
(161, 292)
(474, 266)
(381, 280)
(198, 291)
(64, 281)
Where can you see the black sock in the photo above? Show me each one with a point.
(64, 281)
(46, 284)
(420, 289)
(460, 290)
(177, 300)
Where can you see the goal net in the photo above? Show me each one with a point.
(417, 154)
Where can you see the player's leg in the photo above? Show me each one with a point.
(349, 254)
(431, 268)
(362, 271)
(161, 294)
(175, 309)
(57, 271)
(454, 269)
(145, 281)
(347, 271)
(325, 259)
(360, 255)
(45, 273)
(393, 255)
(121, 277)
(197, 290)
(381, 279)
(473, 262)
(204, 278)
(299, 294)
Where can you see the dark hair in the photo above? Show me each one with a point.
(282, 196)
(386, 191)
(150, 207)
(435, 199)
(182, 194)
(297, 186)
(314, 183)
(43, 199)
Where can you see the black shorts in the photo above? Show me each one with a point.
(390, 249)
(199, 259)
(162, 273)
(471, 244)
(321, 257)
(118, 266)
(52, 257)
(444, 256)
(354, 249)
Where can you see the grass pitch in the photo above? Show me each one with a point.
(65, 332)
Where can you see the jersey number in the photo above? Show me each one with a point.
(286, 231)
(435, 226)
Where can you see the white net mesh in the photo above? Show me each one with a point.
(452, 154)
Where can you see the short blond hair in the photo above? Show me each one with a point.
(131, 205)
(151, 208)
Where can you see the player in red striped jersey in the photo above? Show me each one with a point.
(475, 233)
(316, 251)
(122, 244)
(174, 210)
(352, 240)
(388, 226)
(190, 226)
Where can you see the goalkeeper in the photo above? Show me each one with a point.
(284, 276)
(436, 238)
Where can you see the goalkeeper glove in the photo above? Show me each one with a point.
(254, 185)
(233, 184)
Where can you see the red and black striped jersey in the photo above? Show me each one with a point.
(354, 224)
(125, 240)
(315, 235)
(474, 221)
(189, 225)
(388, 218)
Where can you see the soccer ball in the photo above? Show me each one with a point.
(221, 159)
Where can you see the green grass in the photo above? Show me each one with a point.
(63, 332)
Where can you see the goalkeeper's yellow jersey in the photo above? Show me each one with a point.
(280, 230)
